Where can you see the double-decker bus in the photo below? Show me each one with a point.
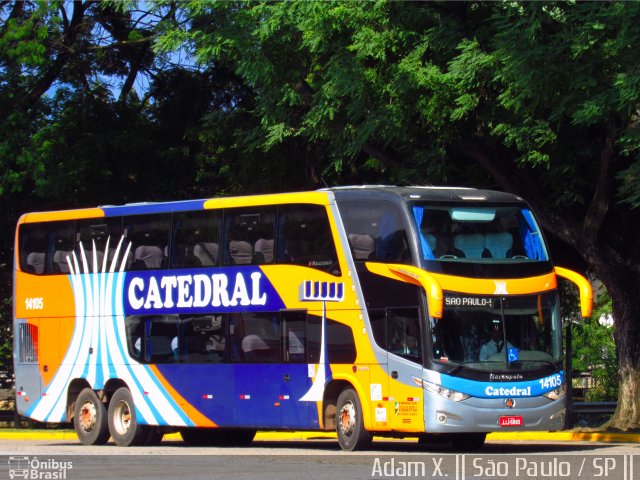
(419, 311)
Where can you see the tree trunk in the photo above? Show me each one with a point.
(610, 266)
(626, 313)
(622, 283)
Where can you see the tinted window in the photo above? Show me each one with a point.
(375, 231)
(255, 337)
(340, 343)
(149, 237)
(47, 247)
(196, 239)
(153, 338)
(203, 339)
(249, 236)
(305, 238)
(294, 325)
(105, 234)
(34, 247)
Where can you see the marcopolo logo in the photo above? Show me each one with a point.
(38, 469)
(183, 291)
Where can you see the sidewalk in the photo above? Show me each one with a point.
(567, 436)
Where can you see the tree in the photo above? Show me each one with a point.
(538, 99)
(595, 352)
(74, 132)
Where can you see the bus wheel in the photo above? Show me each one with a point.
(123, 426)
(90, 419)
(468, 442)
(350, 425)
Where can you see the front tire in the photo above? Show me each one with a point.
(90, 418)
(123, 425)
(350, 422)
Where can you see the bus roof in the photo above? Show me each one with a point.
(321, 197)
(427, 193)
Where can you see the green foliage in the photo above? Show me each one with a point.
(247, 97)
(594, 352)
(6, 345)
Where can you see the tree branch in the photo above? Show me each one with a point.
(601, 200)
(523, 184)
(16, 11)
(68, 40)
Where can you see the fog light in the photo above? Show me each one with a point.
(441, 418)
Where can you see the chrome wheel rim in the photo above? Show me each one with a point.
(88, 416)
(122, 417)
(347, 419)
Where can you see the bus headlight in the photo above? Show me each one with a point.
(557, 393)
(447, 393)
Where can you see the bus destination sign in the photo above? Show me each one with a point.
(468, 301)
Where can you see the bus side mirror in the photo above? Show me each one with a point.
(417, 276)
(586, 292)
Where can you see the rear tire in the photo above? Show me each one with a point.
(90, 418)
(350, 422)
(123, 425)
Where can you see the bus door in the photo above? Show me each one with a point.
(404, 365)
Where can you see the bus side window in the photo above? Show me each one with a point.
(153, 338)
(203, 339)
(339, 339)
(63, 244)
(196, 239)
(34, 239)
(149, 236)
(397, 330)
(249, 236)
(161, 339)
(134, 328)
(403, 332)
(375, 232)
(96, 232)
(262, 338)
(305, 238)
(294, 326)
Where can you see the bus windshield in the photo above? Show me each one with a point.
(469, 233)
(498, 333)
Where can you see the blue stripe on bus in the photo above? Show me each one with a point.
(527, 388)
(146, 208)
(246, 395)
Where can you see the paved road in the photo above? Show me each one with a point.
(319, 459)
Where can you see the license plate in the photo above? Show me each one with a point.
(510, 421)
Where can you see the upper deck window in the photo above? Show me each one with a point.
(375, 231)
(468, 233)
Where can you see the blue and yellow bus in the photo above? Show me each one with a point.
(419, 311)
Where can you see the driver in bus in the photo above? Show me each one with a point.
(495, 344)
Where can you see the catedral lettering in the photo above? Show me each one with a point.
(399, 311)
(504, 392)
(186, 291)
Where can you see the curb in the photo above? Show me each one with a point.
(293, 436)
